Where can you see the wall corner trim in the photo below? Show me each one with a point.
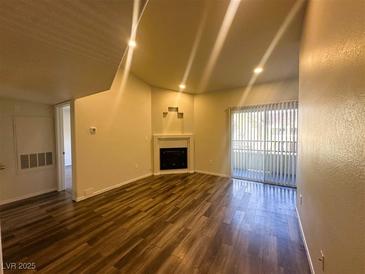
(309, 258)
(80, 198)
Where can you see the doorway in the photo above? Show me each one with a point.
(6, 128)
(264, 143)
(64, 147)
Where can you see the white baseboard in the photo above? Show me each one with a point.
(305, 243)
(26, 196)
(212, 173)
(78, 199)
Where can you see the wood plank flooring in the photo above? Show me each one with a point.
(191, 223)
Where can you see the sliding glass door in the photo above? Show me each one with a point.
(264, 143)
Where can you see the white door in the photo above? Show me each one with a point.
(5, 123)
(64, 149)
(6, 153)
(6, 149)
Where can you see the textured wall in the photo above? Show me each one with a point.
(332, 134)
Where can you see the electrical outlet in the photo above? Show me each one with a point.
(137, 165)
(210, 161)
(300, 199)
(321, 259)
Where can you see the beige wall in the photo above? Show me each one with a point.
(331, 171)
(25, 127)
(1, 255)
(125, 121)
(211, 120)
(161, 100)
(121, 148)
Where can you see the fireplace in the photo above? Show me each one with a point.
(173, 153)
(173, 158)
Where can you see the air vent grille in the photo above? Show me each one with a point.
(24, 161)
(33, 160)
(41, 159)
(36, 160)
(49, 160)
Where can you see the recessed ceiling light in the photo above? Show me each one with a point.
(132, 43)
(258, 70)
(182, 86)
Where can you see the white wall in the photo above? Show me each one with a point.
(331, 167)
(1, 255)
(161, 100)
(67, 136)
(211, 120)
(25, 127)
(120, 151)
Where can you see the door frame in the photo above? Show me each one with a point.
(286, 178)
(60, 146)
(229, 133)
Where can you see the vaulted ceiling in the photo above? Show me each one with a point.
(168, 30)
(52, 51)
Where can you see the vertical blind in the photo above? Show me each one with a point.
(264, 143)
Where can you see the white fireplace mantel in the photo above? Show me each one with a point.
(170, 141)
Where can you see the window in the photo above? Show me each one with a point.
(264, 143)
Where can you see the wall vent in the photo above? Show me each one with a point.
(34, 160)
(24, 161)
(49, 159)
(41, 159)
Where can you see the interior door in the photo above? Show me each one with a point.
(6, 153)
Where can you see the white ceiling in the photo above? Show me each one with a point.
(52, 51)
(168, 30)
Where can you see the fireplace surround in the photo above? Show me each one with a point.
(173, 146)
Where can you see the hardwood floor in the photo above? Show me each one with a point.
(68, 179)
(167, 224)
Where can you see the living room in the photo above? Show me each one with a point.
(181, 136)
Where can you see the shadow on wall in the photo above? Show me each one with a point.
(171, 123)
